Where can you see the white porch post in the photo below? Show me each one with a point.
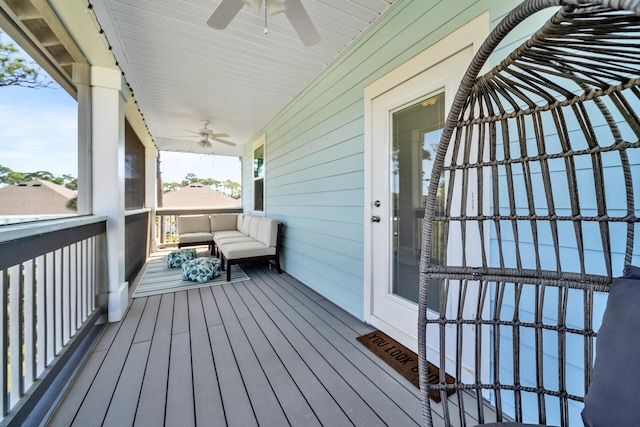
(150, 191)
(82, 80)
(108, 99)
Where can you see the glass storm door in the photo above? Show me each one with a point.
(406, 122)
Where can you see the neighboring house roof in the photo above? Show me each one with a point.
(198, 196)
(35, 197)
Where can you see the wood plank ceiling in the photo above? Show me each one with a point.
(182, 71)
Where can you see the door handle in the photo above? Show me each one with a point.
(375, 218)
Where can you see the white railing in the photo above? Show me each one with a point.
(48, 287)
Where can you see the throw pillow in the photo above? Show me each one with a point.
(201, 269)
(612, 399)
(177, 258)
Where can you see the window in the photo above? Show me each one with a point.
(258, 175)
(134, 169)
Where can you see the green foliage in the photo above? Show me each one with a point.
(10, 177)
(73, 204)
(228, 187)
(18, 71)
(171, 186)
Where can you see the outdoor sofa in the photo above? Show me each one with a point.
(235, 238)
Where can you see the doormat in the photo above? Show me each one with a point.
(402, 360)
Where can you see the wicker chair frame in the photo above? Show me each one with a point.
(537, 215)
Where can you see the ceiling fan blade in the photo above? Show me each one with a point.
(301, 22)
(224, 142)
(224, 14)
(220, 135)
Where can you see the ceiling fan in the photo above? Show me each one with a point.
(293, 9)
(206, 135)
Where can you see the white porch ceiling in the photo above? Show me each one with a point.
(181, 71)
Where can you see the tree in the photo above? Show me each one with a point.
(18, 71)
(170, 186)
(228, 187)
(10, 177)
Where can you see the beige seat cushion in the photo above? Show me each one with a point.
(195, 237)
(246, 250)
(229, 233)
(225, 240)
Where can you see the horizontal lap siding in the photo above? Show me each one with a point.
(315, 149)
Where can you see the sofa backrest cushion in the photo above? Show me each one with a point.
(240, 220)
(267, 232)
(246, 224)
(223, 222)
(253, 229)
(193, 224)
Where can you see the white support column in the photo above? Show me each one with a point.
(108, 99)
(82, 80)
(150, 191)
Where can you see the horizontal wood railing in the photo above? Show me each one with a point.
(166, 222)
(49, 282)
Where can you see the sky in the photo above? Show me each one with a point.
(38, 132)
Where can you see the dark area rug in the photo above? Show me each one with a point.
(402, 360)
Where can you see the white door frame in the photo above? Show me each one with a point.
(469, 35)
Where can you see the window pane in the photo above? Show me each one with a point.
(258, 195)
(133, 170)
(258, 162)
(416, 134)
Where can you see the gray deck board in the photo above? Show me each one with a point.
(94, 408)
(206, 391)
(180, 313)
(180, 408)
(263, 400)
(148, 321)
(151, 406)
(210, 307)
(75, 395)
(325, 407)
(266, 351)
(122, 410)
(313, 348)
(342, 339)
(293, 403)
(347, 360)
(237, 407)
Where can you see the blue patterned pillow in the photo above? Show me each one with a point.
(201, 269)
(177, 258)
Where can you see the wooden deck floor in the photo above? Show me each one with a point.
(268, 351)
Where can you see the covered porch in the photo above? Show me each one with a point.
(77, 349)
